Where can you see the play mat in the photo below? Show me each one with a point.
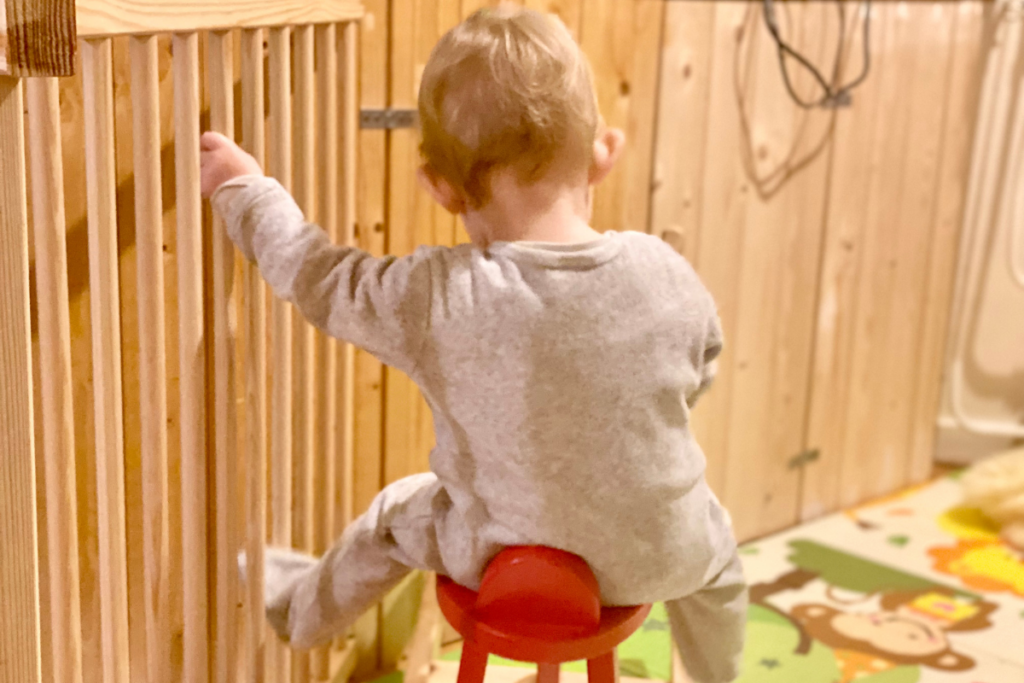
(908, 589)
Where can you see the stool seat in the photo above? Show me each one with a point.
(548, 644)
(537, 605)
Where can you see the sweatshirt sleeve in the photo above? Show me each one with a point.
(709, 360)
(379, 304)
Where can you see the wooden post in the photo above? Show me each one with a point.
(280, 147)
(149, 242)
(326, 355)
(41, 37)
(192, 355)
(19, 572)
(304, 185)
(101, 181)
(57, 415)
(226, 629)
(255, 367)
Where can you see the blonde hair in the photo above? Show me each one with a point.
(507, 88)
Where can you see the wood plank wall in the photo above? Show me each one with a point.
(826, 237)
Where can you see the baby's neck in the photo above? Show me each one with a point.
(543, 212)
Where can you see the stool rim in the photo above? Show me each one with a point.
(617, 624)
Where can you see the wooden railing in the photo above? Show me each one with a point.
(309, 49)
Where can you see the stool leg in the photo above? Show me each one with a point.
(473, 665)
(547, 673)
(604, 669)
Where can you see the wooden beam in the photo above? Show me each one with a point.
(192, 356)
(152, 351)
(119, 17)
(57, 414)
(19, 572)
(40, 37)
(104, 286)
(254, 289)
(280, 166)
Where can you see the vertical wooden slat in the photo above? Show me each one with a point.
(221, 82)
(369, 409)
(326, 354)
(100, 178)
(57, 417)
(149, 242)
(303, 439)
(19, 574)
(349, 186)
(192, 355)
(280, 166)
(253, 139)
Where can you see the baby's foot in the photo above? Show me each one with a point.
(282, 568)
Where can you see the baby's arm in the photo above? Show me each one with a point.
(378, 304)
(709, 360)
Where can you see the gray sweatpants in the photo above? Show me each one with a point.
(309, 601)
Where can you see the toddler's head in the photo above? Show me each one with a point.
(507, 90)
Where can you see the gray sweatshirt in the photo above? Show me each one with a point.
(560, 377)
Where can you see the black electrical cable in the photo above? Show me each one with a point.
(835, 95)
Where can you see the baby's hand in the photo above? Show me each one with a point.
(221, 160)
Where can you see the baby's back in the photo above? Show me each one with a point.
(560, 378)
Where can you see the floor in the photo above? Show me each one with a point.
(908, 589)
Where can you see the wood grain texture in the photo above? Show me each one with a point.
(145, 85)
(280, 166)
(101, 179)
(192, 356)
(368, 413)
(114, 17)
(255, 311)
(622, 40)
(326, 349)
(56, 417)
(19, 572)
(680, 149)
(220, 72)
(40, 38)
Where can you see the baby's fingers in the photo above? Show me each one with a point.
(212, 141)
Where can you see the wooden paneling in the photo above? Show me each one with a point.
(826, 237)
(39, 38)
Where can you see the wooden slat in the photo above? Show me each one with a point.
(682, 124)
(280, 166)
(57, 416)
(113, 17)
(303, 377)
(326, 402)
(192, 355)
(253, 140)
(152, 350)
(228, 625)
(349, 103)
(100, 177)
(368, 411)
(40, 37)
(19, 572)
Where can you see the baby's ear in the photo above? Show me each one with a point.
(450, 199)
(607, 149)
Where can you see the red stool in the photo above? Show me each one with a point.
(537, 605)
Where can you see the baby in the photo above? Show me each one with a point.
(560, 364)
